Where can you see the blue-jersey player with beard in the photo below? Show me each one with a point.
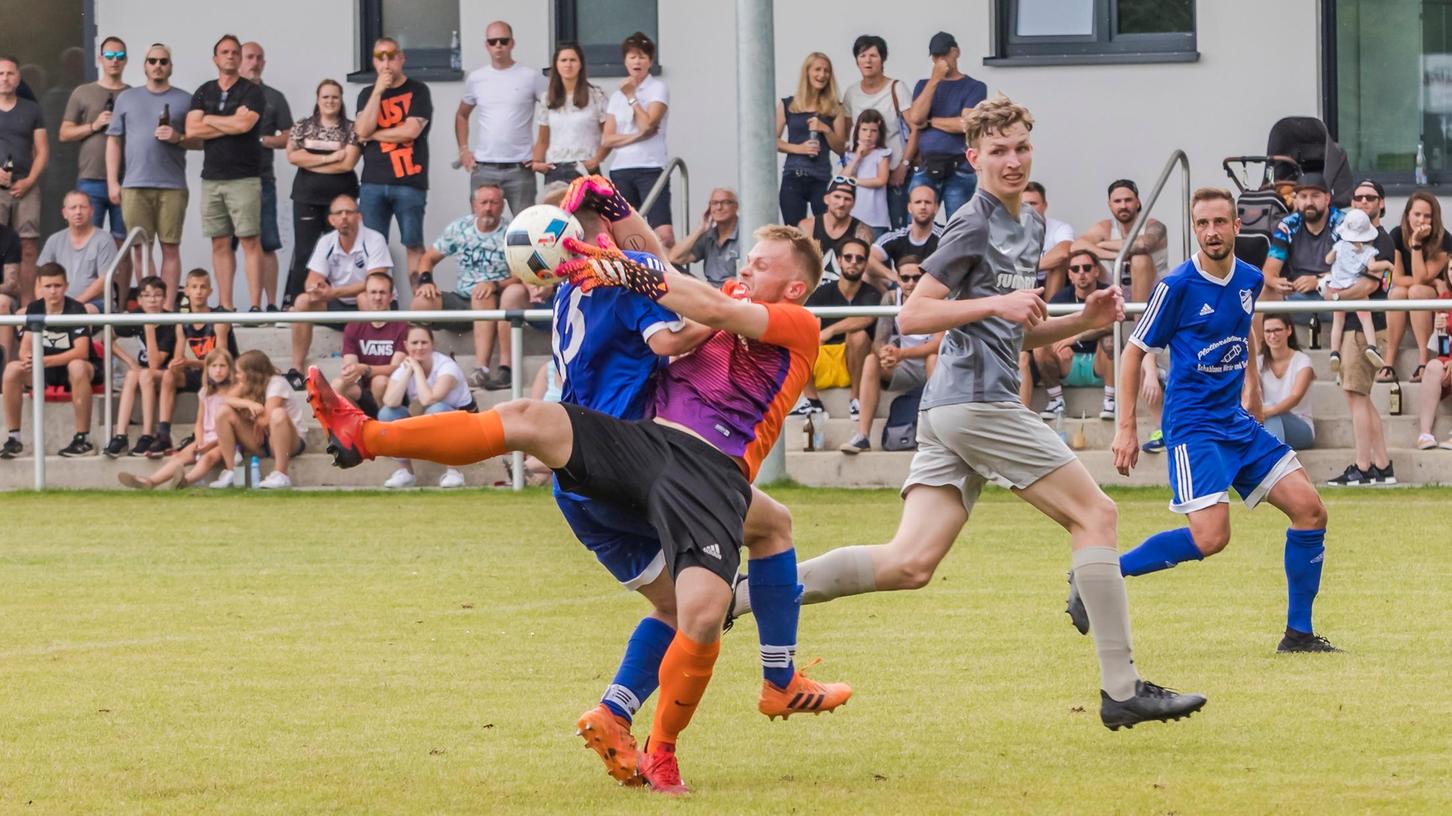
(1202, 312)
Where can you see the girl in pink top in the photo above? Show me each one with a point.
(202, 453)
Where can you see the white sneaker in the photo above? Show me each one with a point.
(402, 477)
(227, 479)
(1106, 411)
(451, 478)
(276, 480)
(1054, 408)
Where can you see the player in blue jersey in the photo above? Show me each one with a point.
(1202, 312)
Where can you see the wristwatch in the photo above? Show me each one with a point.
(632, 101)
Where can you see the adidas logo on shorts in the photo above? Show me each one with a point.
(713, 550)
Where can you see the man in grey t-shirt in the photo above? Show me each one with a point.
(979, 288)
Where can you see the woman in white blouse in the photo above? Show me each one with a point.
(433, 381)
(570, 116)
(1285, 384)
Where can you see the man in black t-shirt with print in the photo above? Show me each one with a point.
(224, 114)
(393, 120)
(67, 360)
(846, 341)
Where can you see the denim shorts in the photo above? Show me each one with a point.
(383, 203)
(101, 205)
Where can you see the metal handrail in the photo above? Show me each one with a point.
(656, 189)
(132, 237)
(1176, 157)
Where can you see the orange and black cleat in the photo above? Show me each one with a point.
(340, 418)
(609, 736)
(661, 772)
(803, 695)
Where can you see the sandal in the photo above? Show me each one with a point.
(1417, 374)
(1386, 374)
(1426, 442)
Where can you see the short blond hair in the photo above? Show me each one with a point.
(994, 116)
(804, 250)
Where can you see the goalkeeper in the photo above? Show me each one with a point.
(718, 412)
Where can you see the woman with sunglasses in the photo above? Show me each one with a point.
(571, 119)
(814, 121)
(324, 149)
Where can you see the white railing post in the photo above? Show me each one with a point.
(516, 388)
(37, 398)
(109, 332)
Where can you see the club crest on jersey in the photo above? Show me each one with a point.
(1246, 302)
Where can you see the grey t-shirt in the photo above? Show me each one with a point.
(86, 104)
(984, 251)
(150, 163)
(276, 117)
(82, 265)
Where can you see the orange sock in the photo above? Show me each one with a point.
(451, 438)
(684, 672)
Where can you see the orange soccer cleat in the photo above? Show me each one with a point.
(661, 771)
(609, 736)
(340, 418)
(802, 695)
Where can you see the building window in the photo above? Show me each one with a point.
(426, 30)
(1069, 32)
(599, 26)
(1388, 87)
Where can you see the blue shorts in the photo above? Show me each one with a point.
(1203, 469)
(623, 542)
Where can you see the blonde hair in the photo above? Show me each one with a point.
(994, 116)
(213, 356)
(808, 98)
(804, 250)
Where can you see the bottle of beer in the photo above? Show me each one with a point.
(1315, 327)
(110, 103)
(1394, 399)
(9, 167)
(810, 443)
(165, 120)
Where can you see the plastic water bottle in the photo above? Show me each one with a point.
(819, 433)
(254, 473)
(456, 57)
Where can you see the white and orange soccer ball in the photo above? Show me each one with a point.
(534, 242)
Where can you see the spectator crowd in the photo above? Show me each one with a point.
(872, 169)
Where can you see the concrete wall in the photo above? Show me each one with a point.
(1259, 61)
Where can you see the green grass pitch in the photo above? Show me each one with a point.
(429, 653)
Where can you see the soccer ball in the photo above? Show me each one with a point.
(533, 243)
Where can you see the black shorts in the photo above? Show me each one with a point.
(60, 377)
(191, 382)
(695, 496)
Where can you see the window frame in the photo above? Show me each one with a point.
(425, 64)
(1105, 46)
(604, 61)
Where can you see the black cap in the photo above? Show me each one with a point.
(941, 43)
(1373, 184)
(1312, 181)
(1117, 183)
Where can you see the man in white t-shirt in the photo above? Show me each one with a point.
(500, 97)
(635, 129)
(1058, 238)
(337, 271)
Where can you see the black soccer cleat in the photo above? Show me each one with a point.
(1150, 702)
(1078, 615)
(1297, 642)
(11, 449)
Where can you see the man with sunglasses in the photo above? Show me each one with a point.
(146, 162)
(836, 224)
(393, 120)
(1087, 358)
(88, 114)
(715, 240)
(500, 96)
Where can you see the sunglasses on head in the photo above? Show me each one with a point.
(847, 180)
(114, 55)
(499, 40)
(384, 54)
(1081, 268)
(158, 61)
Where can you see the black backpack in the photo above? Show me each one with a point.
(901, 431)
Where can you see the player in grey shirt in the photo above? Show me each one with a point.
(979, 288)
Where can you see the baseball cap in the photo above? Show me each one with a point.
(1373, 184)
(843, 184)
(941, 43)
(1312, 181)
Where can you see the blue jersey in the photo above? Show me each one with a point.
(601, 348)
(1205, 322)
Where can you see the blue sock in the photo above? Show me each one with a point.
(1305, 551)
(639, 671)
(1160, 551)
(772, 585)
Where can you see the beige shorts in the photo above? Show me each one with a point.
(231, 208)
(21, 214)
(970, 443)
(1357, 372)
(160, 213)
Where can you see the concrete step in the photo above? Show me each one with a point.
(883, 469)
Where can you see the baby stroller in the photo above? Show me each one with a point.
(1296, 145)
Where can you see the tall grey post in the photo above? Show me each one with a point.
(756, 145)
